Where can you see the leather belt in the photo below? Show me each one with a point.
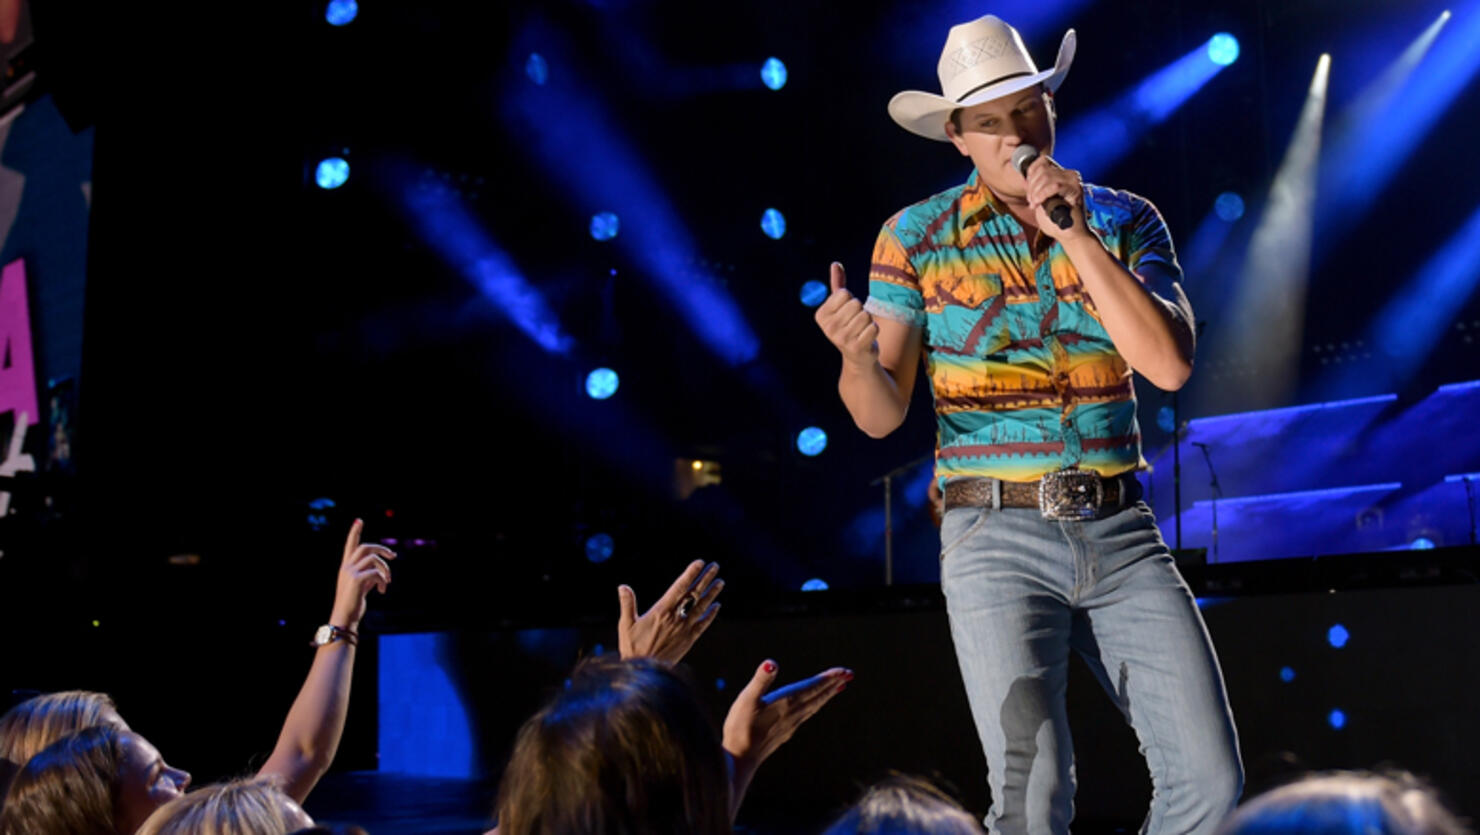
(1065, 495)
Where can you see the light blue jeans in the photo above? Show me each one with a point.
(1022, 591)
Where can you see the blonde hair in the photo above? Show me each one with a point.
(67, 788)
(41, 720)
(1341, 802)
(254, 806)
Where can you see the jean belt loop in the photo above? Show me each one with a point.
(996, 494)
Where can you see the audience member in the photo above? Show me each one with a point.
(627, 747)
(905, 806)
(1347, 803)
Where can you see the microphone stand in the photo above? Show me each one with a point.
(1217, 493)
(887, 479)
(1470, 500)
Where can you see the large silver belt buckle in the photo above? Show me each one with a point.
(1070, 495)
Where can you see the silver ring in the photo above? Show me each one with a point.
(686, 605)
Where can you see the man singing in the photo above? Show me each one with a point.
(1034, 296)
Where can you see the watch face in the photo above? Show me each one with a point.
(324, 635)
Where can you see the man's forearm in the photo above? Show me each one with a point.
(1155, 338)
(873, 398)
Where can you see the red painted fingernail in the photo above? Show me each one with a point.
(769, 667)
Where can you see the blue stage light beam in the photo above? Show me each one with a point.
(1096, 141)
(1418, 316)
(445, 224)
(1389, 119)
(600, 171)
(1266, 318)
(1210, 236)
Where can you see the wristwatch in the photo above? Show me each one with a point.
(328, 634)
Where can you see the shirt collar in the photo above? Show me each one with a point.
(978, 202)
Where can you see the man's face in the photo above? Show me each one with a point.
(992, 130)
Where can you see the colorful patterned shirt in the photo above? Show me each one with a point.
(1025, 378)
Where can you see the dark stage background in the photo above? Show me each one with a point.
(264, 360)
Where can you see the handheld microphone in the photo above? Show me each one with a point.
(1058, 211)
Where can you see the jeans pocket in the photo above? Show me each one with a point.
(958, 526)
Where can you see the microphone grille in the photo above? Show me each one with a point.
(1023, 157)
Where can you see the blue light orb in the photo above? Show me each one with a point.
(719, 684)
(1229, 206)
(604, 226)
(815, 584)
(601, 383)
(537, 69)
(331, 172)
(1423, 543)
(1336, 719)
(1166, 419)
(321, 503)
(773, 73)
(1223, 49)
(599, 547)
(814, 293)
(1337, 636)
(773, 223)
(811, 441)
(341, 12)
(1287, 674)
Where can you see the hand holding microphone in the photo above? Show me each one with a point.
(1054, 205)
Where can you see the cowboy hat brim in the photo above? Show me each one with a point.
(925, 114)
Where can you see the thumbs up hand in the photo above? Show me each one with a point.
(847, 325)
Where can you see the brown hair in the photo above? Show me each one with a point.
(1341, 802)
(899, 805)
(68, 787)
(242, 807)
(625, 747)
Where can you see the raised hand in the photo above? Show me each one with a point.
(675, 622)
(759, 722)
(362, 568)
(846, 324)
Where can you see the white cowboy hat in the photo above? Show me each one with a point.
(982, 60)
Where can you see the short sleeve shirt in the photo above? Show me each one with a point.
(1025, 379)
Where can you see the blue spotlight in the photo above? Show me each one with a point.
(811, 441)
(1336, 719)
(331, 172)
(773, 223)
(601, 383)
(604, 226)
(1337, 636)
(599, 547)
(1223, 49)
(341, 12)
(1287, 674)
(1229, 206)
(537, 68)
(815, 584)
(1423, 543)
(814, 293)
(773, 73)
(1166, 419)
